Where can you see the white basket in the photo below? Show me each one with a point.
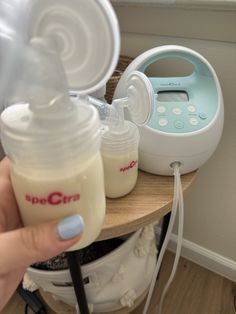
(114, 281)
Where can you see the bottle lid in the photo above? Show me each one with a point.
(87, 37)
(43, 144)
(122, 140)
(140, 96)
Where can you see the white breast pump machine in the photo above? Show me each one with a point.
(187, 119)
(184, 129)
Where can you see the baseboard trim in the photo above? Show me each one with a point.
(205, 258)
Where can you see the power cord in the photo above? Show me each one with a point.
(177, 202)
(32, 301)
(26, 308)
(42, 311)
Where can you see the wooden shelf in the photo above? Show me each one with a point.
(149, 201)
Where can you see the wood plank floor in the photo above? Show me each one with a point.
(195, 290)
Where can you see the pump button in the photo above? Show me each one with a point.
(203, 115)
(193, 121)
(179, 124)
(163, 122)
(161, 109)
(191, 108)
(177, 111)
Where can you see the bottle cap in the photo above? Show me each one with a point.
(121, 141)
(46, 144)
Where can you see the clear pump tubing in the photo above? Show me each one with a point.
(177, 200)
(179, 244)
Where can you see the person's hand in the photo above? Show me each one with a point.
(22, 246)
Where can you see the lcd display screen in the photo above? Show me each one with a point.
(172, 96)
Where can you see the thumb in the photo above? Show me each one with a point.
(25, 246)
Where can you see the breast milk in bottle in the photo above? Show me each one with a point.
(120, 137)
(54, 149)
(120, 159)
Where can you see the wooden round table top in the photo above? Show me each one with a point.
(150, 200)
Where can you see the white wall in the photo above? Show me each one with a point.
(210, 206)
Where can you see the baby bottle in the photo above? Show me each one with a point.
(54, 144)
(54, 149)
(120, 159)
(120, 138)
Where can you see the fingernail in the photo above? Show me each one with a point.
(70, 227)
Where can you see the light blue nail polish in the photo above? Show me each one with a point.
(70, 227)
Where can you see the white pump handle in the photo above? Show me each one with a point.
(201, 65)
